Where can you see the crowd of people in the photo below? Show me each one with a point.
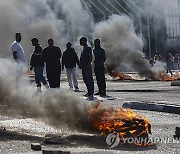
(172, 62)
(54, 61)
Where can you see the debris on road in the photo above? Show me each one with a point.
(52, 139)
(36, 146)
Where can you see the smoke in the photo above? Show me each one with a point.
(77, 16)
(122, 45)
(161, 14)
(44, 19)
(54, 107)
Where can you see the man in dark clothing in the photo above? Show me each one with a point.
(100, 57)
(51, 56)
(70, 59)
(169, 62)
(85, 65)
(38, 64)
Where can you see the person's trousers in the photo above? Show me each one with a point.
(38, 70)
(176, 65)
(72, 78)
(100, 78)
(88, 80)
(20, 70)
(169, 67)
(53, 76)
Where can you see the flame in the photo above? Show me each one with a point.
(123, 121)
(120, 76)
(162, 76)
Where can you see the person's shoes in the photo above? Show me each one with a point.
(70, 88)
(86, 95)
(90, 98)
(103, 94)
(39, 89)
(76, 89)
(98, 93)
(46, 86)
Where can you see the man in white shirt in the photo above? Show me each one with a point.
(19, 57)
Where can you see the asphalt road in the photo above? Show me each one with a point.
(18, 132)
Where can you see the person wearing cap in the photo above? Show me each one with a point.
(70, 60)
(37, 63)
(85, 65)
(19, 57)
(51, 56)
(100, 58)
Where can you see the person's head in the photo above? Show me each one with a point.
(157, 53)
(97, 43)
(34, 41)
(83, 41)
(18, 37)
(68, 45)
(50, 42)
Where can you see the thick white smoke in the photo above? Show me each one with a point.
(122, 45)
(54, 107)
(60, 20)
(44, 19)
(77, 16)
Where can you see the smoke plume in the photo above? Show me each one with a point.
(44, 19)
(122, 45)
(58, 19)
(54, 107)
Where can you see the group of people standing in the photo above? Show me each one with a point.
(51, 58)
(85, 64)
(171, 62)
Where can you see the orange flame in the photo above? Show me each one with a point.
(120, 76)
(162, 76)
(125, 122)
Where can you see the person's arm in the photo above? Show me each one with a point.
(104, 55)
(77, 59)
(90, 57)
(31, 67)
(15, 55)
(15, 51)
(44, 55)
(80, 61)
(63, 61)
(38, 51)
(31, 63)
(60, 54)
